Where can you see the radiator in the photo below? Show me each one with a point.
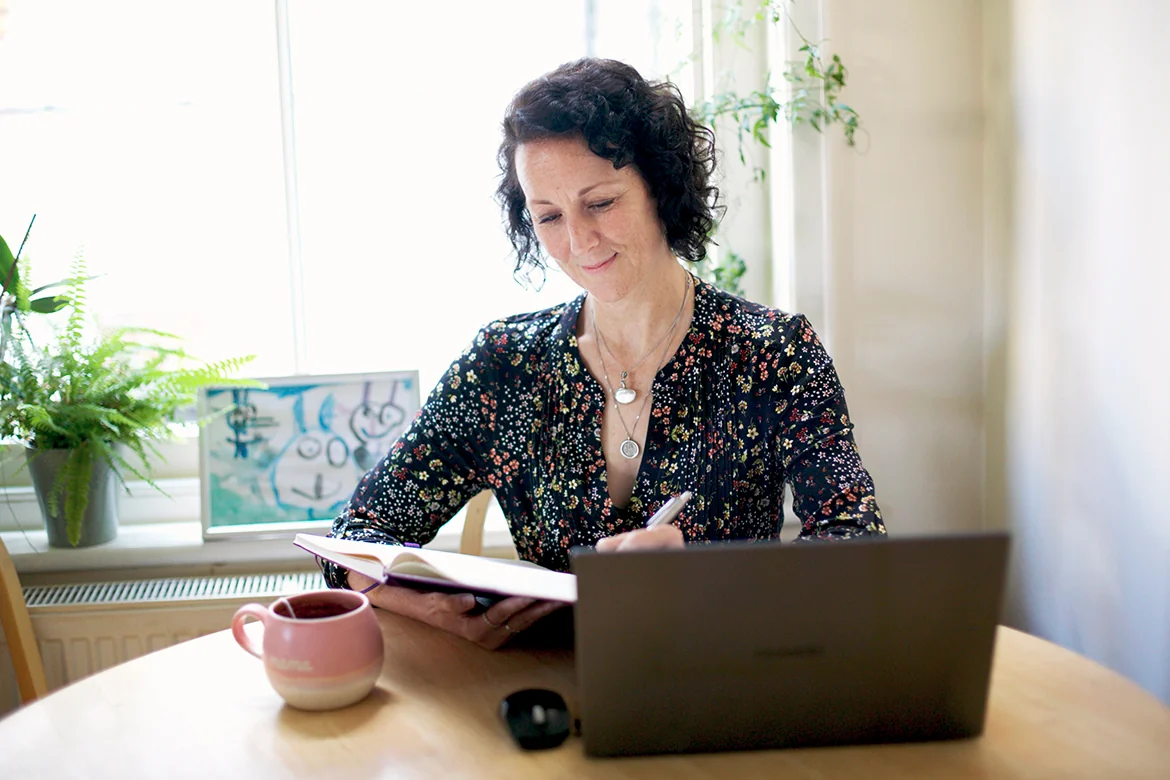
(82, 629)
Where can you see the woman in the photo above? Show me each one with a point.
(583, 419)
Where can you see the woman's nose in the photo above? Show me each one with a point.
(582, 236)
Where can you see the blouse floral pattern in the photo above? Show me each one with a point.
(749, 402)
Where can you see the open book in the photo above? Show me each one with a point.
(436, 570)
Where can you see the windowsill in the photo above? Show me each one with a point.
(145, 544)
(158, 531)
(153, 545)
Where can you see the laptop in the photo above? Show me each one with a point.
(742, 646)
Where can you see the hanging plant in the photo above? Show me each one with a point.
(809, 92)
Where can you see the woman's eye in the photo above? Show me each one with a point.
(545, 220)
(602, 205)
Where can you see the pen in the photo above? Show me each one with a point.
(670, 509)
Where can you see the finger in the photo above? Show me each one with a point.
(457, 603)
(660, 537)
(448, 603)
(526, 617)
(610, 543)
(358, 581)
(500, 613)
(494, 638)
(492, 632)
(522, 618)
(418, 604)
(657, 538)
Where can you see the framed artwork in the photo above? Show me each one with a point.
(286, 458)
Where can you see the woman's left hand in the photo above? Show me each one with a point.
(660, 537)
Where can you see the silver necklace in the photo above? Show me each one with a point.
(624, 394)
(629, 448)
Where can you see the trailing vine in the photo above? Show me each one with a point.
(809, 93)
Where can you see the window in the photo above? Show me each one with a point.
(144, 132)
(151, 134)
(157, 136)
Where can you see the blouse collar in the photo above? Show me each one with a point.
(565, 342)
(567, 325)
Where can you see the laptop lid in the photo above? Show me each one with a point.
(762, 645)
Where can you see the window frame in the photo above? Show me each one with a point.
(179, 472)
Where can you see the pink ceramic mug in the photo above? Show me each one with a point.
(322, 649)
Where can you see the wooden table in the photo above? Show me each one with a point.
(204, 709)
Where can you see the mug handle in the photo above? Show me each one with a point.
(242, 638)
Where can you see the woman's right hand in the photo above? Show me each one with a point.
(453, 612)
(660, 537)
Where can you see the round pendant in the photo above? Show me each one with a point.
(624, 395)
(629, 449)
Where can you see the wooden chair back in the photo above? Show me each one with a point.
(471, 542)
(18, 633)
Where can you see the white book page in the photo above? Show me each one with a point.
(360, 560)
(478, 574)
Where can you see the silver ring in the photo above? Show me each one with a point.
(488, 620)
(508, 628)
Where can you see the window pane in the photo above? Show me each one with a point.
(150, 133)
(397, 119)
(655, 36)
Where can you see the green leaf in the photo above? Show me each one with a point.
(48, 305)
(60, 283)
(9, 274)
(77, 471)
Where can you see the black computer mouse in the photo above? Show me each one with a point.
(537, 718)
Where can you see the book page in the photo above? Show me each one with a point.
(369, 565)
(410, 566)
(477, 574)
(494, 575)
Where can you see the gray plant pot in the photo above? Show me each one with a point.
(100, 522)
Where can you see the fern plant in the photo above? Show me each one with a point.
(92, 394)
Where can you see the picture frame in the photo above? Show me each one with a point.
(286, 458)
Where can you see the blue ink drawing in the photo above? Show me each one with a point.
(295, 451)
(243, 419)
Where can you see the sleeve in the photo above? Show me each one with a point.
(433, 470)
(832, 493)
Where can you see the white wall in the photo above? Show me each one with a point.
(997, 295)
(1088, 429)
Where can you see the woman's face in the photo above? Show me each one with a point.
(599, 224)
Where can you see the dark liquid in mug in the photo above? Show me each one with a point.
(312, 610)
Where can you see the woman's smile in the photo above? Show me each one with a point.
(599, 267)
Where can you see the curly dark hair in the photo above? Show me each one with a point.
(627, 120)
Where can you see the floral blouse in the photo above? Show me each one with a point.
(749, 402)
